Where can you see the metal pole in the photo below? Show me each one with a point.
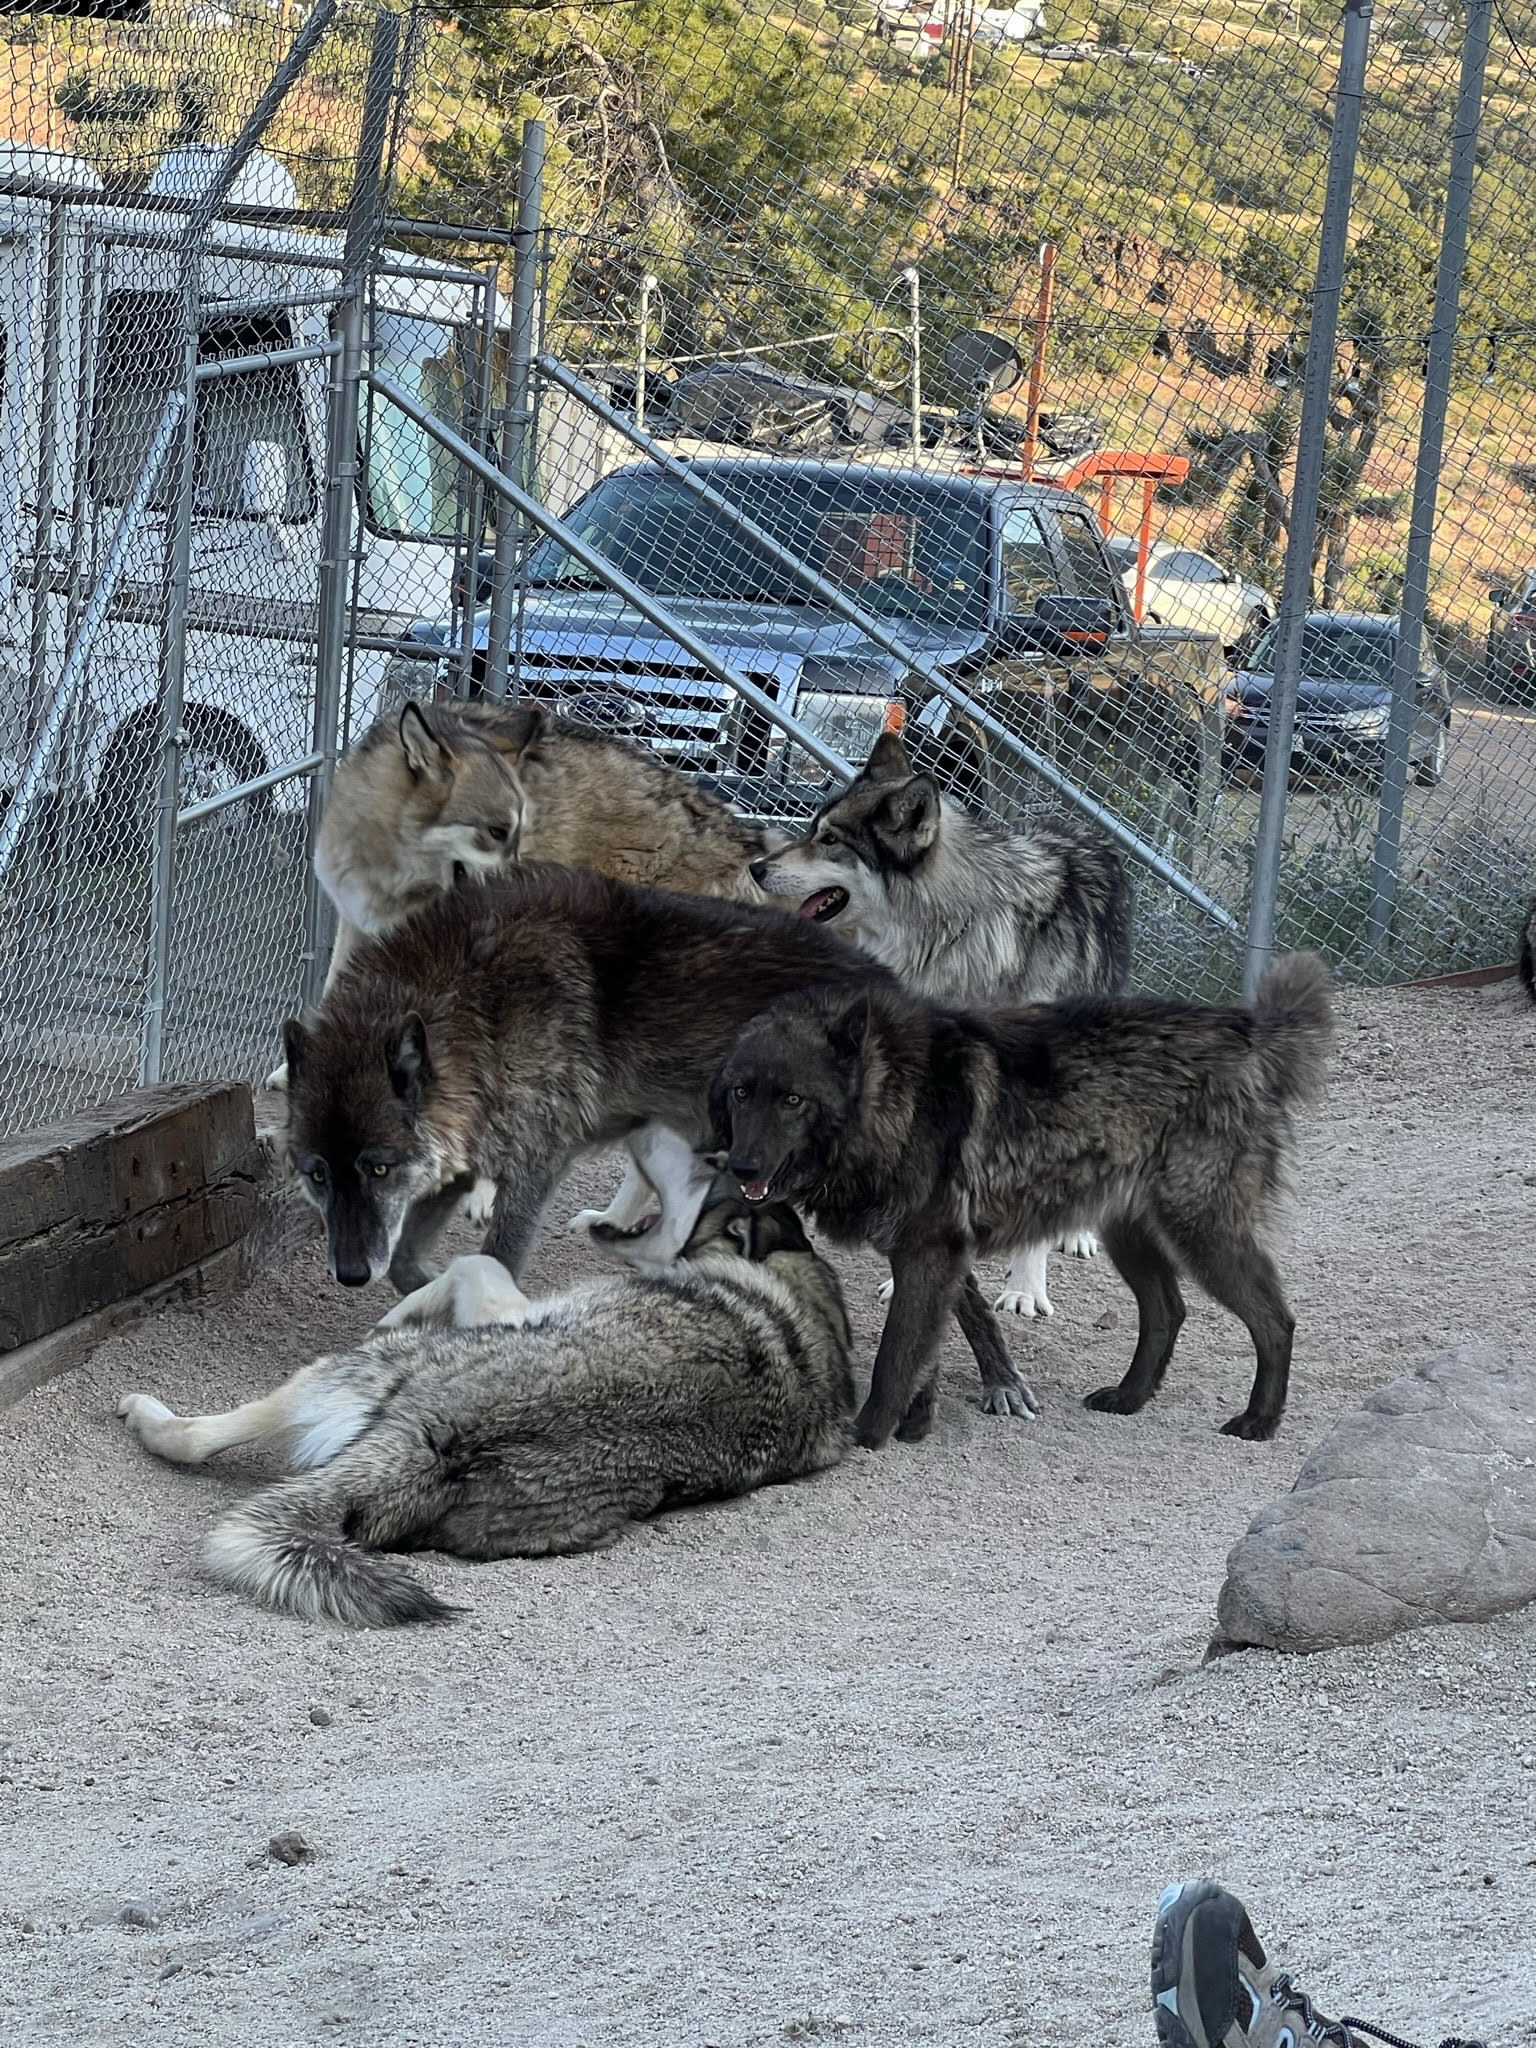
(92, 620)
(343, 409)
(648, 284)
(177, 565)
(1036, 387)
(510, 532)
(914, 286)
(1296, 591)
(1426, 478)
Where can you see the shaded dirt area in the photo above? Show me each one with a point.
(901, 1755)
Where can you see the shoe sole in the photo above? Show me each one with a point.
(1173, 1910)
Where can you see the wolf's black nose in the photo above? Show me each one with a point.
(745, 1169)
(758, 869)
(352, 1275)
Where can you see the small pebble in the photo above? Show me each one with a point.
(1110, 1320)
(289, 1848)
(320, 1717)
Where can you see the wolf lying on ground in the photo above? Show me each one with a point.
(939, 1135)
(550, 1431)
(961, 910)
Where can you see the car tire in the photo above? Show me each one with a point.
(126, 788)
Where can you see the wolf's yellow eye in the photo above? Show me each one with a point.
(317, 1175)
(739, 1092)
(791, 1102)
(378, 1169)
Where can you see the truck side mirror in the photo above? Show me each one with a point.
(1080, 624)
(265, 480)
(1500, 596)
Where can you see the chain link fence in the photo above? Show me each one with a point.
(750, 380)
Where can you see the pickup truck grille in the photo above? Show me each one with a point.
(679, 710)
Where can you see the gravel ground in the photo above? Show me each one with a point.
(901, 1755)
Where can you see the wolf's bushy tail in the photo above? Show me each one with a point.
(286, 1547)
(1293, 1024)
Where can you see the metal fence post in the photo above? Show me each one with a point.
(1296, 591)
(343, 410)
(1426, 477)
(177, 570)
(516, 439)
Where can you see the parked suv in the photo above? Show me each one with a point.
(1343, 701)
(1005, 585)
(1511, 666)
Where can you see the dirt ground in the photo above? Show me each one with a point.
(901, 1755)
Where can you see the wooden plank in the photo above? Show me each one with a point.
(130, 1154)
(33, 1365)
(121, 1199)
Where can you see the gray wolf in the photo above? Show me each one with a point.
(461, 791)
(1528, 952)
(549, 1430)
(937, 1135)
(516, 1025)
(962, 910)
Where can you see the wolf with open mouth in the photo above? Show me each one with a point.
(962, 911)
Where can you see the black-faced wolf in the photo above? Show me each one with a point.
(940, 1135)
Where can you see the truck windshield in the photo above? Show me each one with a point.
(899, 548)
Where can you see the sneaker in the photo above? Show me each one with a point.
(1214, 1987)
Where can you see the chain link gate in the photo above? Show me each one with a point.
(947, 370)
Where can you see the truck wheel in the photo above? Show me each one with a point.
(957, 760)
(220, 754)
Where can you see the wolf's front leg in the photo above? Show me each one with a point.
(1005, 1391)
(682, 1179)
(424, 1225)
(521, 1192)
(927, 1281)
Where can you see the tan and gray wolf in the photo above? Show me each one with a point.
(962, 910)
(461, 791)
(550, 1431)
(938, 1135)
(519, 1024)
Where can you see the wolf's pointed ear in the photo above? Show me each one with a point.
(888, 759)
(409, 1068)
(908, 820)
(847, 1032)
(425, 754)
(295, 1046)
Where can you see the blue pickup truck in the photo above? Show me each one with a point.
(1005, 586)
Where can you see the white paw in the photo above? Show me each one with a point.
(581, 1223)
(142, 1412)
(1023, 1301)
(1079, 1244)
(278, 1078)
(479, 1204)
(887, 1289)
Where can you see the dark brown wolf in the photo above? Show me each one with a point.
(939, 1136)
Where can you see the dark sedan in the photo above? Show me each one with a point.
(1343, 701)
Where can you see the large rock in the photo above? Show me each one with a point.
(1418, 1508)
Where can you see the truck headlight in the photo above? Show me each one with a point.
(851, 724)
